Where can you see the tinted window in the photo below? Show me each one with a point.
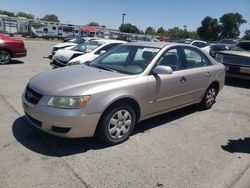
(54, 28)
(199, 44)
(195, 58)
(67, 29)
(170, 58)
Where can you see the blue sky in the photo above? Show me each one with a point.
(142, 13)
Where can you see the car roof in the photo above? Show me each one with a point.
(106, 41)
(150, 44)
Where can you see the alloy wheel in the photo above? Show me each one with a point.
(4, 57)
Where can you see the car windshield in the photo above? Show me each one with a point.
(127, 59)
(242, 46)
(228, 41)
(87, 46)
(77, 40)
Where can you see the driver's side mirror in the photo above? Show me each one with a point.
(162, 69)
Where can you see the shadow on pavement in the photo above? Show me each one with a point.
(238, 146)
(14, 61)
(236, 82)
(49, 145)
(45, 144)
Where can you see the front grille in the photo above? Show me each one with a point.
(32, 96)
(33, 120)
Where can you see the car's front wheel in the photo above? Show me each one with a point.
(209, 98)
(117, 124)
(5, 56)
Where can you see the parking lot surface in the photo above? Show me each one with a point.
(184, 148)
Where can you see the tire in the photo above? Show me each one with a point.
(5, 56)
(116, 124)
(209, 98)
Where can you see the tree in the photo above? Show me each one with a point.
(94, 24)
(150, 31)
(25, 15)
(231, 23)
(210, 29)
(129, 28)
(161, 31)
(7, 13)
(177, 33)
(50, 18)
(247, 35)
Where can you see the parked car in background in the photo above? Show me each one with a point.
(11, 48)
(129, 83)
(86, 57)
(198, 43)
(222, 45)
(70, 44)
(236, 60)
(83, 52)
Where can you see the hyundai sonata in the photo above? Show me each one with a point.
(126, 85)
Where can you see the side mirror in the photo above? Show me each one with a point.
(162, 69)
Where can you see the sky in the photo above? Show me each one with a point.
(142, 13)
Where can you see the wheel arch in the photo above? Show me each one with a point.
(127, 100)
(3, 48)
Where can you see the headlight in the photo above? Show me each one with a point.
(74, 63)
(69, 102)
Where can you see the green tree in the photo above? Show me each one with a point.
(209, 29)
(94, 24)
(150, 31)
(161, 31)
(231, 23)
(7, 13)
(25, 15)
(50, 18)
(247, 35)
(129, 28)
(177, 33)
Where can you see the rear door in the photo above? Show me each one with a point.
(197, 72)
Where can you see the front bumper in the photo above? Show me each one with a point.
(68, 123)
(20, 53)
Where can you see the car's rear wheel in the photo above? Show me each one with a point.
(5, 56)
(117, 124)
(209, 98)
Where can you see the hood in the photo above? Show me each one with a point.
(65, 55)
(236, 53)
(65, 44)
(73, 80)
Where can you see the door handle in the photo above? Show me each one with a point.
(208, 74)
(183, 79)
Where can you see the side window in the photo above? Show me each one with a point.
(170, 58)
(195, 59)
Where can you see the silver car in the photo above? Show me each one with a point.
(126, 85)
